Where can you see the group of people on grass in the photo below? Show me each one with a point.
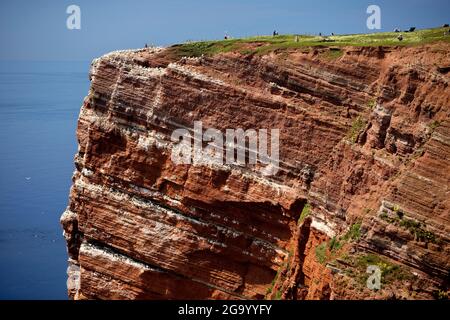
(399, 38)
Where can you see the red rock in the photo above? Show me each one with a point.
(138, 226)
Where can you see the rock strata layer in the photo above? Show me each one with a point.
(363, 178)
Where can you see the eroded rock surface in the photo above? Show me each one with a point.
(364, 154)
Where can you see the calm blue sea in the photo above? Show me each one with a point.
(39, 106)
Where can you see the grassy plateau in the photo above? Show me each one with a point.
(266, 44)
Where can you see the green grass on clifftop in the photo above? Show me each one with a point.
(266, 44)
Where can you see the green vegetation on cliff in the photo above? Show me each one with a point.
(266, 44)
(305, 213)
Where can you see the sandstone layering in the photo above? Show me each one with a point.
(363, 180)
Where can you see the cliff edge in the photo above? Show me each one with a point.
(363, 177)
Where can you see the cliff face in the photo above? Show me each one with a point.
(363, 180)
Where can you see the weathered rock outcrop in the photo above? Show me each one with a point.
(364, 177)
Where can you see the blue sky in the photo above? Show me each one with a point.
(36, 30)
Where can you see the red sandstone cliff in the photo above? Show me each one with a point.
(364, 150)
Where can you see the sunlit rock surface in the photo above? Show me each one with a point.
(364, 153)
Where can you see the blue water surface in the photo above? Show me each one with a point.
(39, 106)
